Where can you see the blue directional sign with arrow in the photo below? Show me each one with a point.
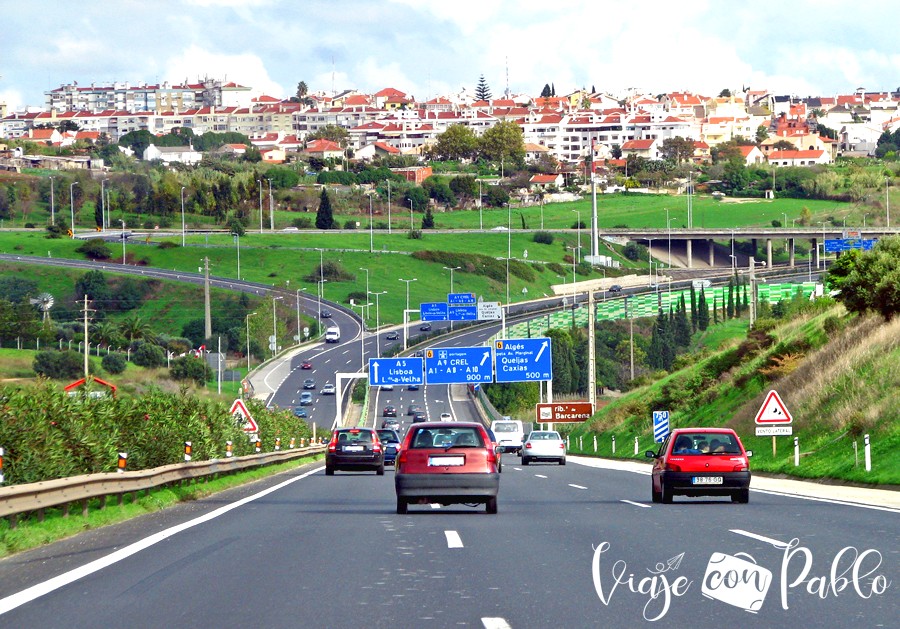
(523, 360)
(395, 371)
(458, 365)
(464, 312)
(433, 311)
(461, 298)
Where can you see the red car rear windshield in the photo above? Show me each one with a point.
(462, 437)
(706, 443)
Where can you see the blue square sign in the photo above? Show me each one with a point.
(523, 360)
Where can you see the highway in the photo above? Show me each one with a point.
(572, 546)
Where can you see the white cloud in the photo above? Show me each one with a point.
(245, 68)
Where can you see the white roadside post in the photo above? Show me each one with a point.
(796, 451)
(595, 444)
(868, 455)
(613, 444)
(635, 445)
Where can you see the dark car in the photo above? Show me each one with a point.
(390, 424)
(425, 327)
(354, 449)
(301, 412)
(392, 335)
(419, 416)
(447, 463)
(309, 383)
(615, 288)
(390, 441)
(389, 411)
(412, 387)
(412, 409)
(325, 314)
(700, 462)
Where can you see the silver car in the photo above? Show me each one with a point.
(544, 445)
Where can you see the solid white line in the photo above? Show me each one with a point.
(637, 504)
(495, 623)
(435, 505)
(844, 503)
(453, 539)
(577, 486)
(540, 476)
(36, 591)
(768, 540)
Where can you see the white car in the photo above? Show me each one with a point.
(446, 417)
(328, 389)
(510, 433)
(544, 445)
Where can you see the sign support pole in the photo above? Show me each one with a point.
(774, 450)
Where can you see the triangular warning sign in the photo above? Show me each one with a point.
(239, 412)
(773, 411)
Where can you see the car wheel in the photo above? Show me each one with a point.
(491, 505)
(380, 470)
(562, 461)
(655, 495)
(741, 495)
(666, 495)
(524, 460)
(402, 506)
(329, 471)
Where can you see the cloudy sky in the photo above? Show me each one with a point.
(431, 47)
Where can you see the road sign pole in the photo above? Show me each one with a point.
(774, 448)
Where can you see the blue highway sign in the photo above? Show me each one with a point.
(837, 245)
(461, 298)
(458, 365)
(395, 371)
(523, 360)
(468, 312)
(433, 311)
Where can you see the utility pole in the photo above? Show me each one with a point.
(592, 355)
(86, 350)
(207, 330)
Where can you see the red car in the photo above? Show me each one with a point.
(306, 365)
(447, 463)
(701, 462)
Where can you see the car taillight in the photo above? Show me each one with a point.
(562, 445)
(673, 467)
(741, 467)
(376, 445)
(332, 445)
(528, 445)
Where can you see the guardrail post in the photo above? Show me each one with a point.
(614, 444)
(868, 454)
(595, 444)
(635, 445)
(291, 444)
(580, 442)
(122, 463)
(188, 450)
(229, 449)
(796, 451)
(2, 452)
(277, 443)
(258, 445)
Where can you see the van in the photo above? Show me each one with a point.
(510, 434)
(332, 335)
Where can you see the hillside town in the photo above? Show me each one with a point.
(578, 128)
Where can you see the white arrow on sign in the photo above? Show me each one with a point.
(540, 351)
(375, 371)
(484, 358)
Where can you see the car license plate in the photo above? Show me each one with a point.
(353, 448)
(707, 480)
(446, 461)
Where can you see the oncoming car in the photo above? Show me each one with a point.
(701, 462)
(447, 463)
(354, 449)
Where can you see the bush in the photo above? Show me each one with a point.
(113, 363)
(95, 249)
(61, 365)
(167, 244)
(544, 238)
(303, 222)
(147, 355)
(191, 368)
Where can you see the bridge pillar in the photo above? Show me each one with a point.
(755, 243)
(791, 250)
(711, 247)
(689, 249)
(814, 245)
(768, 253)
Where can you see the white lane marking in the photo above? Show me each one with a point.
(36, 591)
(453, 539)
(768, 540)
(636, 504)
(435, 505)
(577, 486)
(845, 503)
(518, 469)
(540, 476)
(495, 623)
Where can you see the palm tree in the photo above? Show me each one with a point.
(133, 327)
(106, 333)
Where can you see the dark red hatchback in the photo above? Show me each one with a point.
(447, 463)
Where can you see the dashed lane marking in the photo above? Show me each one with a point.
(636, 504)
(453, 539)
(577, 486)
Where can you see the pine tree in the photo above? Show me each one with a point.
(702, 312)
(553, 89)
(325, 215)
(482, 91)
(546, 91)
(428, 219)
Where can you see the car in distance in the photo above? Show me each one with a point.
(393, 335)
(510, 434)
(615, 288)
(390, 424)
(446, 417)
(543, 445)
(354, 449)
(447, 463)
(390, 442)
(306, 398)
(419, 416)
(326, 314)
(328, 389)
(309, 383)
(412, 387)
(389, 411)
(306, 365)
(301, 412)
(386, 387)
(700, 462)
(412, 409)
(425, 327)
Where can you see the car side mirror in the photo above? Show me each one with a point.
(650, 454)
(749, 453)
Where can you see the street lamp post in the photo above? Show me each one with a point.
(822, 258)
(378, 323)
(410, 215)
(247, 318)
(237, 242)
(72, 203)
(271, 208)
(578, 228)
(259, 185)
(274, 327)
(182, 216)
(733, 262)
(298, 314)
(321, 284)
(371, 228)
(389, 205)
(103, 203)
(123, 239)
(669, 228)
(887, 199)
(480, 208)
(367, 290)
(52, 205)
(785, 218)
(451, 269)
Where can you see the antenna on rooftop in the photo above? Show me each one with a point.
(507, 77)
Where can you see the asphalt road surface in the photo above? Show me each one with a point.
(571, 546)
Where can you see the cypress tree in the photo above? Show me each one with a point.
(694, 314)
(702, 311)
(325, 215)
(715, 309)
(730, 309)
(682, 325)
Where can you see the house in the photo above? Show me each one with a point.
(799, 158)
(648, 149)
(414, 174)
(375, 149)
(170, 154)
(232, 149)
(273, 156)
(542, 181)
(44, 136)
(752, 155)
(324, 149)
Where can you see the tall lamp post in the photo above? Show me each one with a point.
(367, 289)
(480, 208)
(123, 239)
(52, 205)
(259, 185)
(451, 269)
(887, 199)
(669, 228)
(72, 203)
(377, 323)
(321, 284)
(237, 243)
(274, 327)
(405, 327)
(247, 318)
(410, 215)
(182, 216)
(298, 314)
(271, 207)
(578, 228)
(371, 228)
(103, 203)
(389, 205)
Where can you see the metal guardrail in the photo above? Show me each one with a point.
(18, 499)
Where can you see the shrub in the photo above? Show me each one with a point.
(113, 363)
(303, 222)
(191, 368)
(60, 365)
(544, 238)
(95, 249)
(167, 244)
(148, 355)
